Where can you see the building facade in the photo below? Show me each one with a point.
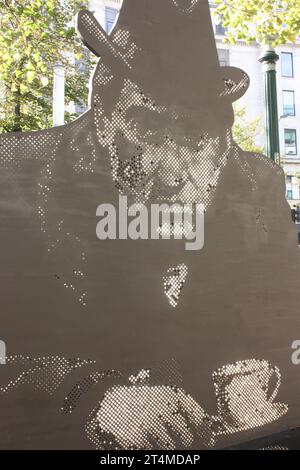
(288, 96)
(106, 12)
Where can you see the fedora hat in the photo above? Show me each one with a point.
(169, 45)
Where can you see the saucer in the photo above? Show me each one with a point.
(264, 414)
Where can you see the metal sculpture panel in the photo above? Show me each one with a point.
(141, 344)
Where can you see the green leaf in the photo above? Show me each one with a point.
(17, 56)
(33, 37)
(24, 88)
(31, 76)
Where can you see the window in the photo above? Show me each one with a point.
(223, 57)
(290, 141)
(289, 179)
(110, 18)
(287, 67)
(220, 30)
(289, 194)
(289, 103)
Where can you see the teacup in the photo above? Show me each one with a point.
(245, 394)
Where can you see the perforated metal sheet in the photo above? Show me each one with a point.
(141, 344)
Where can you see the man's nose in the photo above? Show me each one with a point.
(171, 174)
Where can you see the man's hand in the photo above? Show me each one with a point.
(147, 417)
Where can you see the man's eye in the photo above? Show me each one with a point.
(146, 121)
(146, 129)
(141, 130)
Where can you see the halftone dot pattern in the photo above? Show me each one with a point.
(275, 448)
(103, 76)
(153, 412)
(173, 283)
(233, 87)
(42, 373)
(185, 6)
(89, 27)
(84, 386)
(128, 48)
(158, 166)
(19, 148)
(245, 161)
(42, 149)
(245, 395)
(151, 160)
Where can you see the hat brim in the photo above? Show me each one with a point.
(236, 83)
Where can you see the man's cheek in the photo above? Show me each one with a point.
(151, 160)
(124, 144)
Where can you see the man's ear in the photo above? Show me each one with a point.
(91, 32)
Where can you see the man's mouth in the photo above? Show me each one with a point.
(169, 192)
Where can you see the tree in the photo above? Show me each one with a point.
(245, 132)
(34, 36)
(265, 21)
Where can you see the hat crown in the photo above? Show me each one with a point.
(173, 46)
(168, 48)
(177, 28)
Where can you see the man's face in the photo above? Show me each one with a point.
(157, 153)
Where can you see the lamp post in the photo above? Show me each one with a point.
(269, 59)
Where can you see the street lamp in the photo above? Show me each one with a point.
(269, 59)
